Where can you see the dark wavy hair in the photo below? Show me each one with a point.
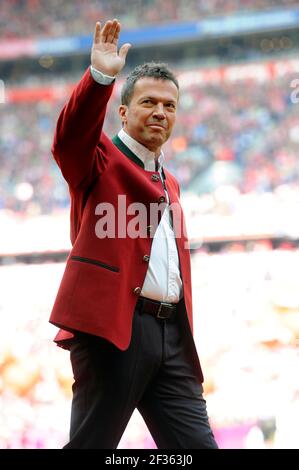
(156, 70)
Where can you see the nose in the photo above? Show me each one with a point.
(159, 112)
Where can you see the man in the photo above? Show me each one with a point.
(124, 304)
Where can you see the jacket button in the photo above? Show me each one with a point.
(137, 291)
(162, 199)
(149, 229)
(146, 258)
(155, 178)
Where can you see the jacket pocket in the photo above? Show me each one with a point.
(95, 262)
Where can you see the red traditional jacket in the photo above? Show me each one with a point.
(103, 276)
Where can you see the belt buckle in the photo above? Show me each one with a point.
(162, 304)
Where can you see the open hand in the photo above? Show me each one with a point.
(104, 54)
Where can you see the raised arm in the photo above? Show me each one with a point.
(75, 146)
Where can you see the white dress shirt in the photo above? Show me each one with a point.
(163, 280)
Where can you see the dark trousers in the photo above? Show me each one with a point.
(155, 375)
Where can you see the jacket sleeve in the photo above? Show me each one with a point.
(77, 136)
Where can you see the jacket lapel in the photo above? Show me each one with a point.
(126, 151)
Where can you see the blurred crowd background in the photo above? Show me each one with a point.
(57, 18)
(235, 153)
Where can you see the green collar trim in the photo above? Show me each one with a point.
(124, 149)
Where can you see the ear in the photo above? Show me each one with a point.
(122, 111)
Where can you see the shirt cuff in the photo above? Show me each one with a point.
(100, 77)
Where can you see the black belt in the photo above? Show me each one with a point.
(162, 310)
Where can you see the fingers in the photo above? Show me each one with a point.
(110, 31)
(116, 34)
(123, 51)
(106, 39)
(97, 31)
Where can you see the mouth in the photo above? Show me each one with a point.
(156, 126)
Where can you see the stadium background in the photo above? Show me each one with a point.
(235, 154)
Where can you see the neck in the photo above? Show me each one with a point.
(155, 150)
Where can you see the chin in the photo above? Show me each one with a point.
(153, 146)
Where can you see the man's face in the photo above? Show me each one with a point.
(150, 115)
